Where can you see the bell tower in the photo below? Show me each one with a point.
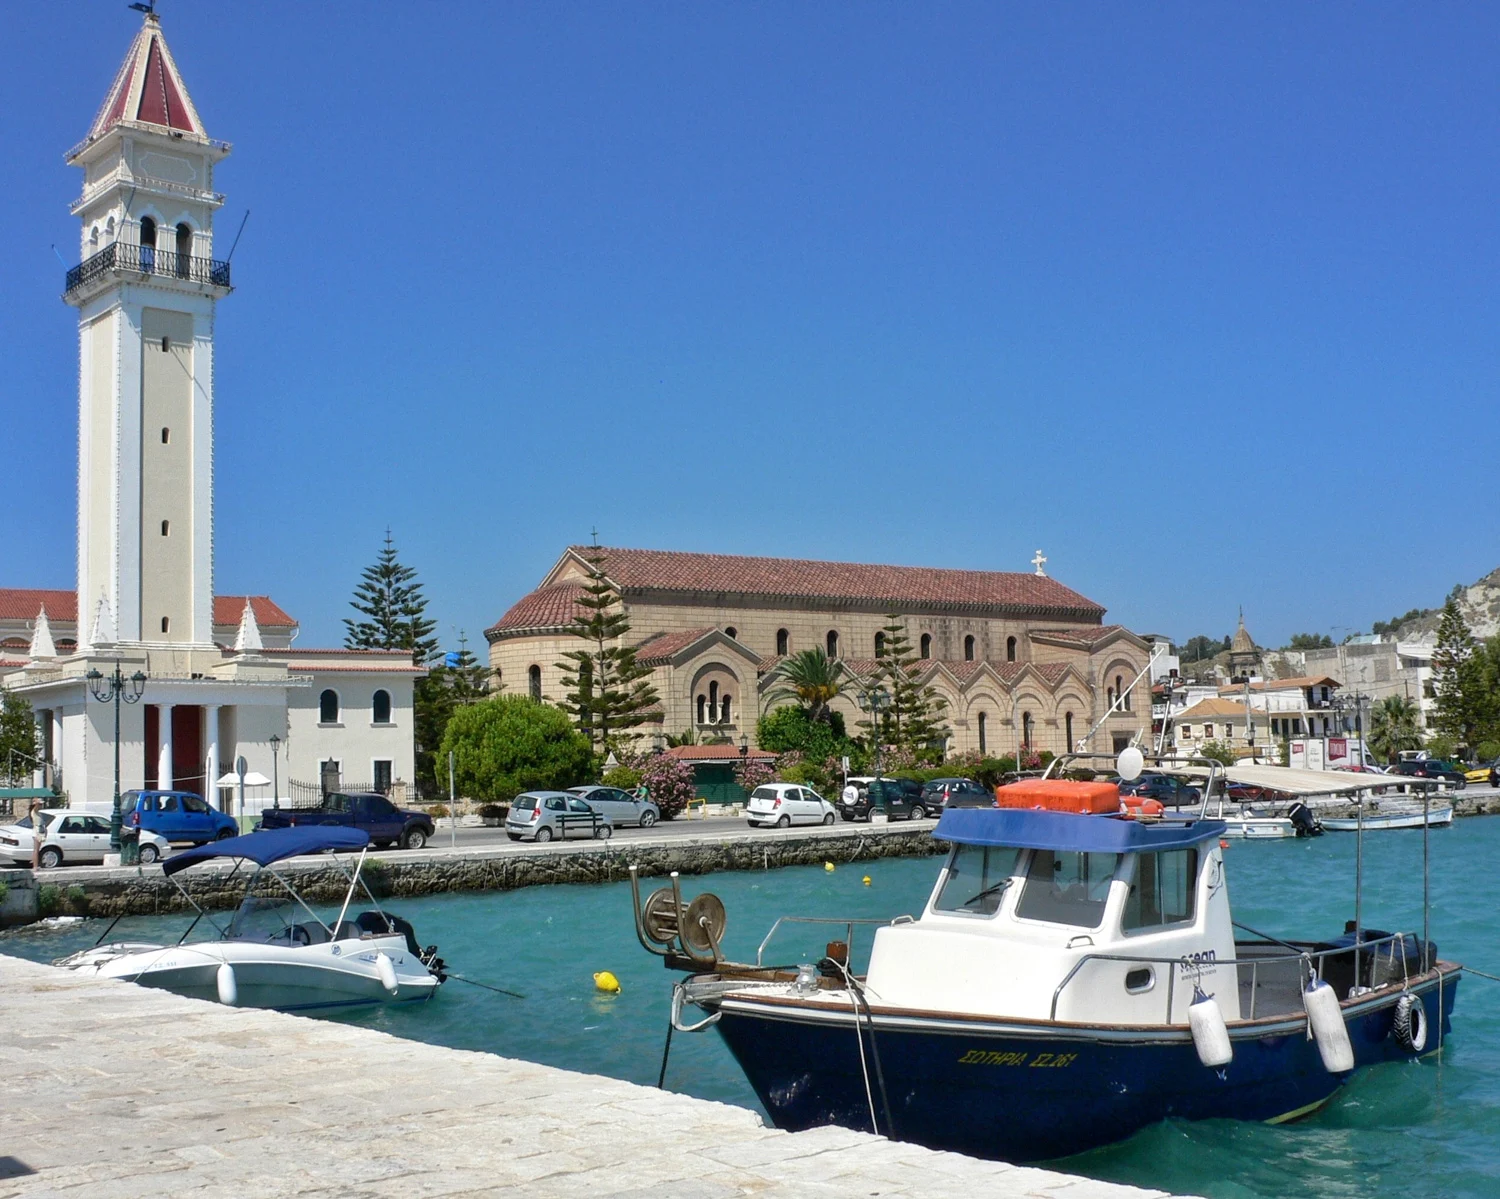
(146, 289)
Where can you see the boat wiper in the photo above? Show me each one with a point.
(996, 889)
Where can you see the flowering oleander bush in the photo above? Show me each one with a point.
(669, 783)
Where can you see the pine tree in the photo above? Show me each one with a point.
(391, 599)
(452, 684)
(607, 691)
(1458, 679)
(914, 718)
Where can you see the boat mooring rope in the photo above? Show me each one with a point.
(486, 986)
(1481, 973)
(855, 995)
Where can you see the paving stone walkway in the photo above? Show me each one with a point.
(108, 1089)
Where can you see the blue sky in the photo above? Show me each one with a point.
(1201, 299)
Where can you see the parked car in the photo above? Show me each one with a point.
(177, 816)
(1170, 791)
(621, 807)
(543, 815)
(71, 838)
(956, 793)
(368, 810)
(899, 799)
(777, 805)
(1432, 768)
(1485, 772)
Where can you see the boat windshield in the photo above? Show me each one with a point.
(976, 879)
(1063, 887)
(260, 917)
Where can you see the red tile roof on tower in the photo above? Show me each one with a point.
(23, 603)
(148, 88)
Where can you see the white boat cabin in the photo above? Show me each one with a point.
(1034, 908)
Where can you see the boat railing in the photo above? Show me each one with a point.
(848, 924)
(1312, 961)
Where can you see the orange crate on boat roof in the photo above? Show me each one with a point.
(1060, 795)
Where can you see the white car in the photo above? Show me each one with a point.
(777, 805)
(71, 838)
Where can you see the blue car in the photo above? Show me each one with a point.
(177, 816)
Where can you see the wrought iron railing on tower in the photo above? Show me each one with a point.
(147, 260)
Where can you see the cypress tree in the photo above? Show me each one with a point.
(607, 691)
(395, 610)
(1458, 678)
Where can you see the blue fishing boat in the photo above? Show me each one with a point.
(1075, 975)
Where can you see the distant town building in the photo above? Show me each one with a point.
(1019, 658)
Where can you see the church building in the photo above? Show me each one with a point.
(213, 677)
(1019, 659)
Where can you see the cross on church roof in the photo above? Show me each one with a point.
(1040, 561)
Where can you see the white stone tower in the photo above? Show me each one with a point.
(145, 291)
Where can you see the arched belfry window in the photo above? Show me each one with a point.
(880, 645)
(783, 642)
(1120, 692)
(969, 648)
(184, 248)
(833, 643)
(380, 707)
(926, 645)
(1010, 649)
(328, 707)
(148, 244)
(534, 678)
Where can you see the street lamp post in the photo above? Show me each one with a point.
(116, 688)
(275, 777)
(873, 700)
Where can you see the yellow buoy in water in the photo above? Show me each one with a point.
(867, 880)
(606, 982)
(828, 866)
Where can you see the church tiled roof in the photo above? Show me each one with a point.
(23, 603)
(658, 649)
(796, 578)
(545, 608)
(1087, 638)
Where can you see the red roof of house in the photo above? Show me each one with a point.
(148, 88)
(714, 753)
(23, 603)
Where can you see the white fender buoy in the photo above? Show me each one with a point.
(387, 971)
(229, 988)
(1411, 1023)
(1210, 1034)
(1326, 1019)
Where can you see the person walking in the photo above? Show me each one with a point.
(36, 834)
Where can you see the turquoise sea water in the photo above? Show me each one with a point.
(1425, 1129)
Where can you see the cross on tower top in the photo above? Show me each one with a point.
(1039, 561)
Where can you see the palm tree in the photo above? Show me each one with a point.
(1393, 726)
(812, 678)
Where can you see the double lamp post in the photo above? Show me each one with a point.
(116, 689)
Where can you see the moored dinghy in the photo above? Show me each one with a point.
(1072, 978)
(358, 960)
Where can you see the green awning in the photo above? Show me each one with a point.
(27, 793)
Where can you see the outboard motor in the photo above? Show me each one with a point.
(1303, 820)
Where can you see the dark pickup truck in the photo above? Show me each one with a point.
(384, 821)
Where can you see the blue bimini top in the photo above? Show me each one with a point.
(272, 845)
(1025, 828)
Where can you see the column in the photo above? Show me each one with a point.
(57, 750)
(164, 738)
(211, 763)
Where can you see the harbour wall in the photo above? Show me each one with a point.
(145, 891)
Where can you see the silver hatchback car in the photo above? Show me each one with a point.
(545, 815)
(621, 807)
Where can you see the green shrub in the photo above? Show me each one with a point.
(789, 730)
(1488, 751)
(626, 778)
(493, 811)
(4, 892)
(510, 744)
(48, 899)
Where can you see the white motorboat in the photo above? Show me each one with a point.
(309, 964)
(1258, 828)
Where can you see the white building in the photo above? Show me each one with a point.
(221, 676)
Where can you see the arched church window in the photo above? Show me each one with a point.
(732, 632)
(1120, 693)
(713, 703)
(1068, 729)
(380, 707)
(926, 645)
(969, 648)
(94, 238)
(148, 244)
(184, 249)
(328, 707)
(984, 728)
(783, 642)
(703, 709)
(724, 713)
(833, 643)
(109, 228)
(1010, 649)
(166, 624)
(1109, 697)
(1027, 725)
(534, 681)
(880, 645)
